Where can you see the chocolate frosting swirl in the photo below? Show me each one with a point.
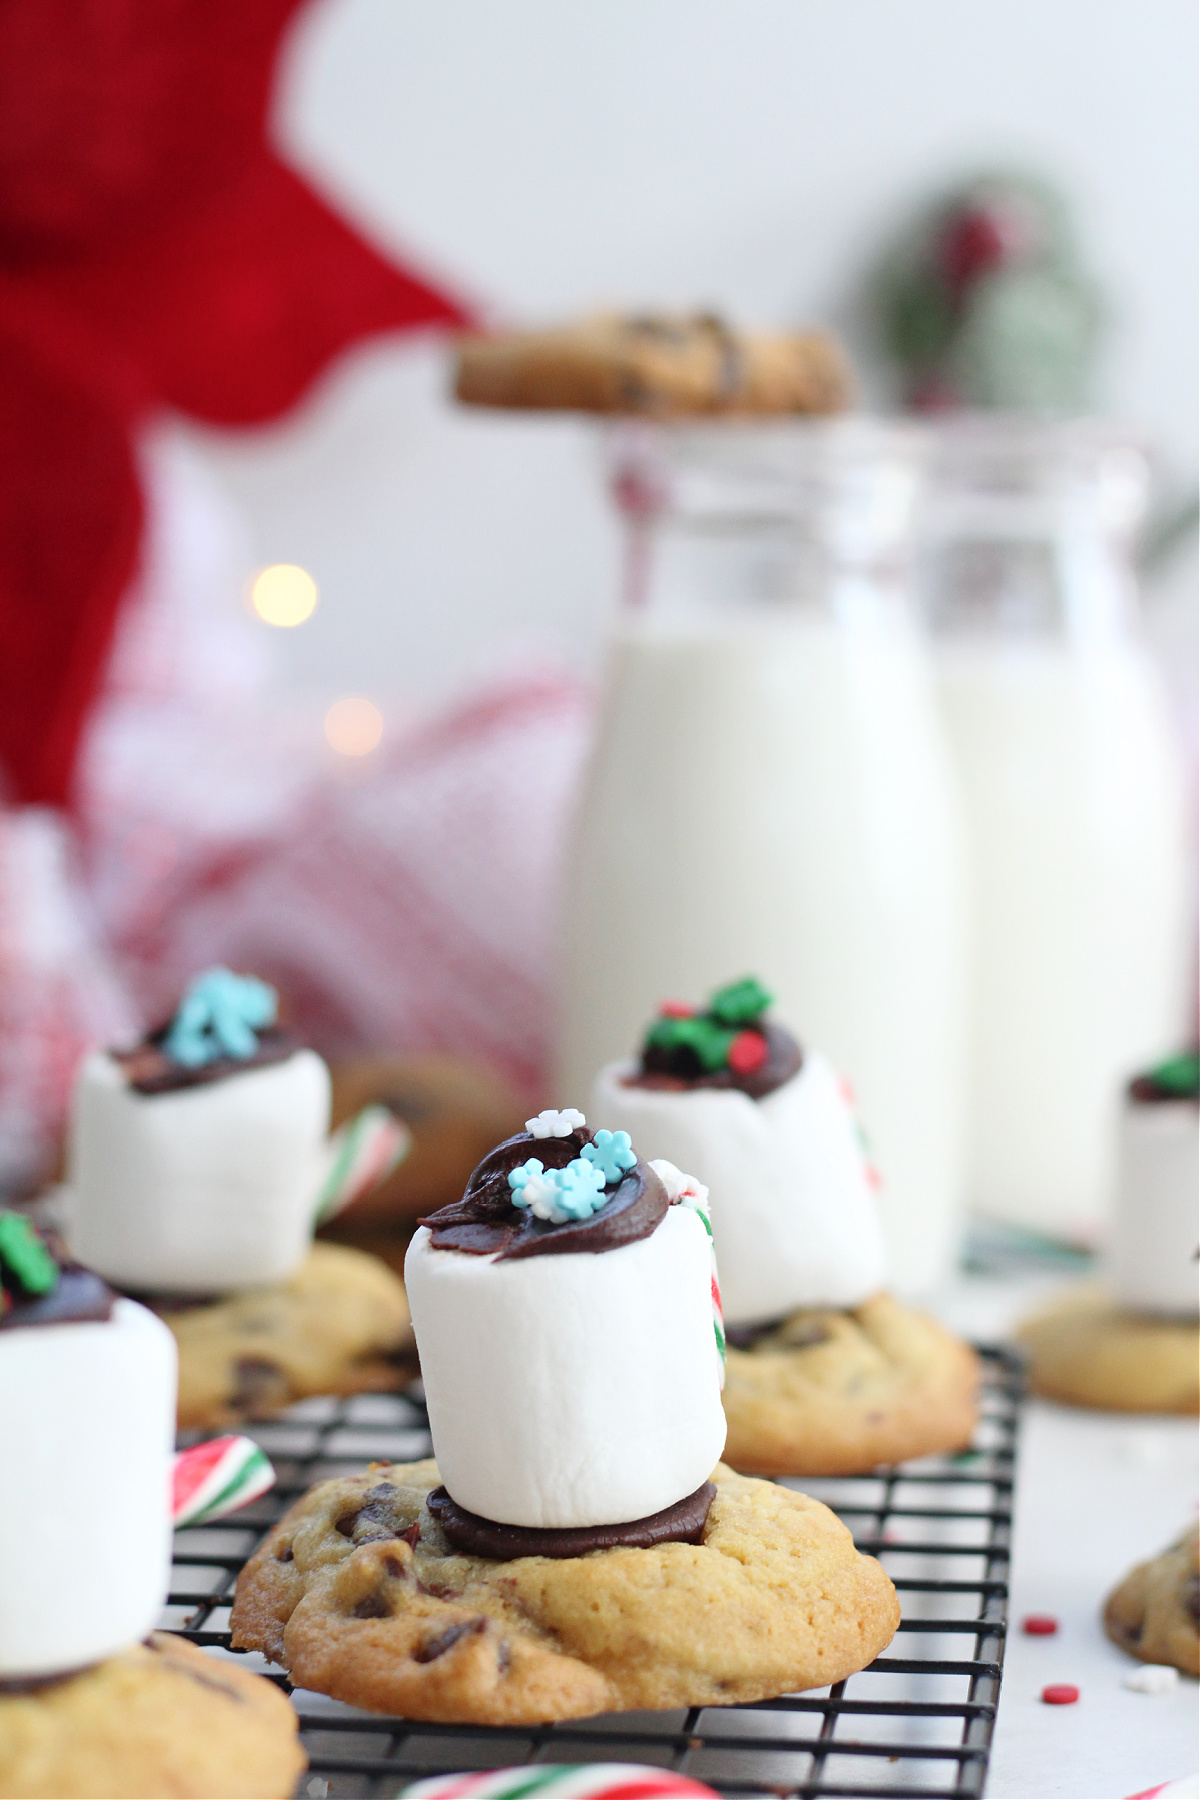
(466, 1531)
(486, 1223)
(149, 1069)
(678, 1070)
(79, 1297)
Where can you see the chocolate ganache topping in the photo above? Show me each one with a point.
(728, 1044)
(39, 1285)
(225, 1024)
(682, 1523)
(487, 1222)
(150, 1070)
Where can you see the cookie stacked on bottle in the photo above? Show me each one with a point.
(828, 1373)
(575, 1546)
(199, 1166)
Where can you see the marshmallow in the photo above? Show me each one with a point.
(87, 1421)
(572, 1389)
(1152, 1256)
(794, 1216)
(202, 1189)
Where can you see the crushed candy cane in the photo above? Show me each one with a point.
(217, 1477)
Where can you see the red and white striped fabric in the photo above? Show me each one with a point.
(405, 903)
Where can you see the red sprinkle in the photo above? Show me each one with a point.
(675, 1009)
(747, 1052)
(1060, 1693)
(1039, 1625)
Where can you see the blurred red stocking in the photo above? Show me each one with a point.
(153, 252)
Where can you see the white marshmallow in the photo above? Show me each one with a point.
(203, 1189)
(1152, 1257)
(87, 1421)
(794, 1217)
(572, 1389)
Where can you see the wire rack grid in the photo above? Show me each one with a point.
(916, 1725)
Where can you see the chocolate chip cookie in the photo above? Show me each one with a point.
(162, 1718)
(358, 1594)
(339, 1325)
(664, 365)
(837, 1392)
(1089, 1352)
(1155, 1612)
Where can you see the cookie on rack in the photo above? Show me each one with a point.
(200, 1162)
(1154, 1613)
(1134, 1345)
(359, 1593)
(827, 1373)
(573, 1549)
(339, 1325)
(87, 1417)
(665, 365)
(158, 1718)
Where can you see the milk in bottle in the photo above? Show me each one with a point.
(1075, 815)
(770, 790)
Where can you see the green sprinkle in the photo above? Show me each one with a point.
(24, 1255)
(1179, 1075)
(708, 1041)
(740, 1003)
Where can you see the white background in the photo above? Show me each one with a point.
(545, 157)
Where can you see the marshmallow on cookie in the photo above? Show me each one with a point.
(87, 1421)
(564, 1314)
(1152, 1262)
(727, 1093)
(196, 1158)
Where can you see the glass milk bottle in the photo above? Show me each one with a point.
(770, 792)
(1074, 808)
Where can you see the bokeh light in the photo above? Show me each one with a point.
(353, 725)
(284, 595)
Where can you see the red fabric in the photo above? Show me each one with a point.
(153, 250)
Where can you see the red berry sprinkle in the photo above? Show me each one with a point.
(747, 1052)
(1039, 1625)
(675, 1009)
(1060, 1693)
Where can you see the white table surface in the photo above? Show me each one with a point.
(1096, 1493)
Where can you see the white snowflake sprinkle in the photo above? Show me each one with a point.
(550, 1123)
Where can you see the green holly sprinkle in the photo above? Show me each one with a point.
(740, 1003)
(708, 1041)
(1179, 1075)
(24, 1256)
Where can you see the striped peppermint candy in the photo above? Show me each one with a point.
(685, 1190)
(361, 1153)
(217, 1477)
(560, 1781)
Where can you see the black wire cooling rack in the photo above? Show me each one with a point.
(917, 1723)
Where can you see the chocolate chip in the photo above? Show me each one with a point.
(284, 1555)
(373, 1607)
(437, 1646)
(371, 1522)
(1191, 1597)
(393, 1568)
(413, 1535)
(261, 1386)
(803, 1335)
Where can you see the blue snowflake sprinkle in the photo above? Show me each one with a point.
(611, 1153)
